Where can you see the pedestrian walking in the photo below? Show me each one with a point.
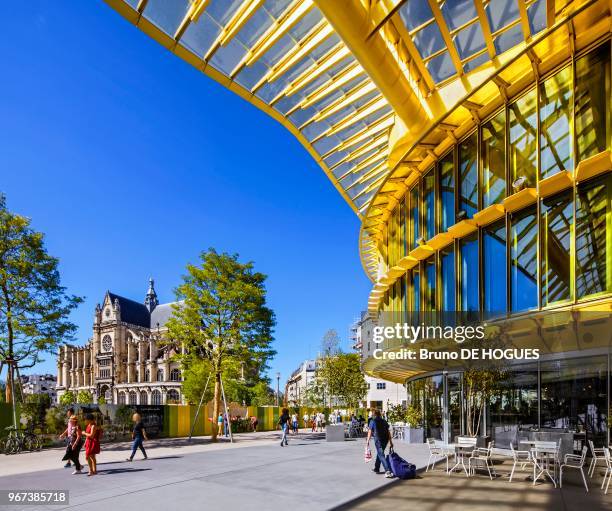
(306, 420)
(92, 443)
(294, 423)
(138, 436)
(67, 432)
(225, 425)
(254, 423)
(74, 434)
(220, 425)
(283, 422)
(378, 428)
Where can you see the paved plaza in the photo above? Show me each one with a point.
(252, 473)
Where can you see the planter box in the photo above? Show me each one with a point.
(413, 436)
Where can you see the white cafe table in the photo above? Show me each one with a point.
(461, 451)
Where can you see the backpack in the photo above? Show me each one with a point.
(400, 467)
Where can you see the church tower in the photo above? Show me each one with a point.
(151, 300)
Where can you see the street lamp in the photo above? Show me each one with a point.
(277, 387)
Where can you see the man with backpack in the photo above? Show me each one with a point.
(379, 429)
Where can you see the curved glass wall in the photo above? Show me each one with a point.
(551, 252)
(568, 395)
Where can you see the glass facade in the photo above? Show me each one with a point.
(552, 395)
(547, 254)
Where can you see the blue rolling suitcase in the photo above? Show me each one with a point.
(400, 467)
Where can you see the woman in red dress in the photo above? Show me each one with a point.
(92, 444)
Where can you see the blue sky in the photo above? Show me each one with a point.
(132, 162)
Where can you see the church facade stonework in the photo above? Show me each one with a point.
(124, 362)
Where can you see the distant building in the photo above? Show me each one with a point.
(124, 361)
(298, 382)
(40, 384)
(381, 393)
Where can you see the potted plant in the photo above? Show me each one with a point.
(414, 434)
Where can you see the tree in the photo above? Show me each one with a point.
(314, 395)
(341, 374)
(67, 398)
(222, 318)
(84, 397)
(34, 306)
(330, 344)
(35, 408)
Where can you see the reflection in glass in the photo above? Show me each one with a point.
(574, 396)
(469, 274)
(468, 175)
(429, 296)
(447, 270)
(414, 216)
(392, 239)
(555, 115)
(429, 199)
(493, 154)
(454, 382)
(427, 394)
(593, 203)
(557, 222)
(592, 119)
(447, 191)
(416, 290)
(523, 140)
(494, 271)
(402, 241)
(514, 405)
(523, 260)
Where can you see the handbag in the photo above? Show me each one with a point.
(400, 467)
(367, 455)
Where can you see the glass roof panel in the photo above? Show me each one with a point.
(132, 3)
(470, 40)
(536, 13)
(252, 30)
(250, 75)
(428, 40)
(227, 57)
(167, 15)
(508, 38)
(501, 13)
(222, 10)
(441, 67)
(200, 36)
(414, 13)
(458, 12)
(276, 7)
(475, 62)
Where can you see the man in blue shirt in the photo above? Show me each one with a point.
(379, 429)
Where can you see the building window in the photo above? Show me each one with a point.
(133, 398)
(447, 191)
(121, 398)
(447, 270)
(469, 274)
(160, 375)
(414, 216)
(592, 117)
(468, 175)
(523, 140)
(147, 375)
(381, 386)
(429, 204)
(593, 243)
(175, 375)
(494, 270)
(430, 285)
(107, 343)
(557, 217)
(156, 397)
(172, 397)
(416, 290)
(493, 155)
(555, 117)
(523, 260)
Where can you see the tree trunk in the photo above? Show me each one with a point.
(9, 385)
(216, 405)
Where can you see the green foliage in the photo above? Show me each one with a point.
(34, 307)
(55, 419)
(67, 398)
(413, 416)
(84, 397)
(223, 323)
(35, 408)
(342, 377)
(101, 400)
(123, 417)
(314, 395)
(396, 413)
(262, 394)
